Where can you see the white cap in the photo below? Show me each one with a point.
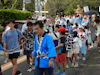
(73, 26)
(81, 27)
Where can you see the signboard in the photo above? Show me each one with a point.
(86, 9)
(27, 1)
(99, 8)
(41, 11)
(39, 4)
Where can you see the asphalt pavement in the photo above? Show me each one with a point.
(90, 66)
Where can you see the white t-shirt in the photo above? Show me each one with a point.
(76, 45)
(24, 27)
(53, 36)
(50, 28)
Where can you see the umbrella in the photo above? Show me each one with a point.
(91, 12)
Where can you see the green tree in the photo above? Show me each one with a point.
(67, 6)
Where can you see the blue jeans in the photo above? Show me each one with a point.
(39, 71)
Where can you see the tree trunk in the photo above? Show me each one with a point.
(2, 1)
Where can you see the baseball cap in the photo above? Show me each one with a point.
(62, 29)
(73, 26)
(28, 17)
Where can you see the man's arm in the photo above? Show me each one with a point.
(59, 46)
(4, 47)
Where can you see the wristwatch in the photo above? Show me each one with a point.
(52, 59)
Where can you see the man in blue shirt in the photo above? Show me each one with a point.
(69, 27)
(44, 52)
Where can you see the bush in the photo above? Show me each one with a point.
(6, 14)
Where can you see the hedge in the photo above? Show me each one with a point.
(6, 14)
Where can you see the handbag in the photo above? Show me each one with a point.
(61, 48)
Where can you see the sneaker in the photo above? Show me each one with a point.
(64, 73)
(78, 58)
(99, 50)
(30, 69)
(67, 66)
(59, 71)
(76, 65)
(18, 73)
(83, 58)
(33, 67)
(71, 65)
(91, 46)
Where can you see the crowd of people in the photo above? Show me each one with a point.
(67, 38)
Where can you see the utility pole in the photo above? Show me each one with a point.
(23, 5)
(45, 7)
(39, 8)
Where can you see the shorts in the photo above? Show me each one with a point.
(69, 54)
(14, 55)
(26, 52)
(61, 57)
(75, 50)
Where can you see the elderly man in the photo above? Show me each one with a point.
(44, 52)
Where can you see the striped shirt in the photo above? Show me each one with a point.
(70, 40)
(29, 45)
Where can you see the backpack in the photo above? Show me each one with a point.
(61, 48)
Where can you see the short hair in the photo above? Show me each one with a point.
(63, 33)
(45, 21)
(64, 26)
(39, 23)
(11, 20)
(57, 26)
(29, 24)
(67, 21)
(75, 34)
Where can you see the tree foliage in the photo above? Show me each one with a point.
(17, 4)
(67, 6)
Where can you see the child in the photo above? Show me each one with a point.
(61, 57)
(75, 47)
(74, 28)
(89, 40)
(10, 41)
(55, 35)
(69, 42)
(81, 35)
(29, 45)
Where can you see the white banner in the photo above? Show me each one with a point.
(99, 8)
(86, 8)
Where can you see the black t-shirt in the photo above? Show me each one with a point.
(62, 40)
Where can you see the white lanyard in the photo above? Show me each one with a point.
(39, 44)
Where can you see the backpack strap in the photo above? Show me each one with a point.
(55, 35)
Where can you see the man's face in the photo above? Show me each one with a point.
(30, 27)
(11, 25)
(38, 30)
(56, 29)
